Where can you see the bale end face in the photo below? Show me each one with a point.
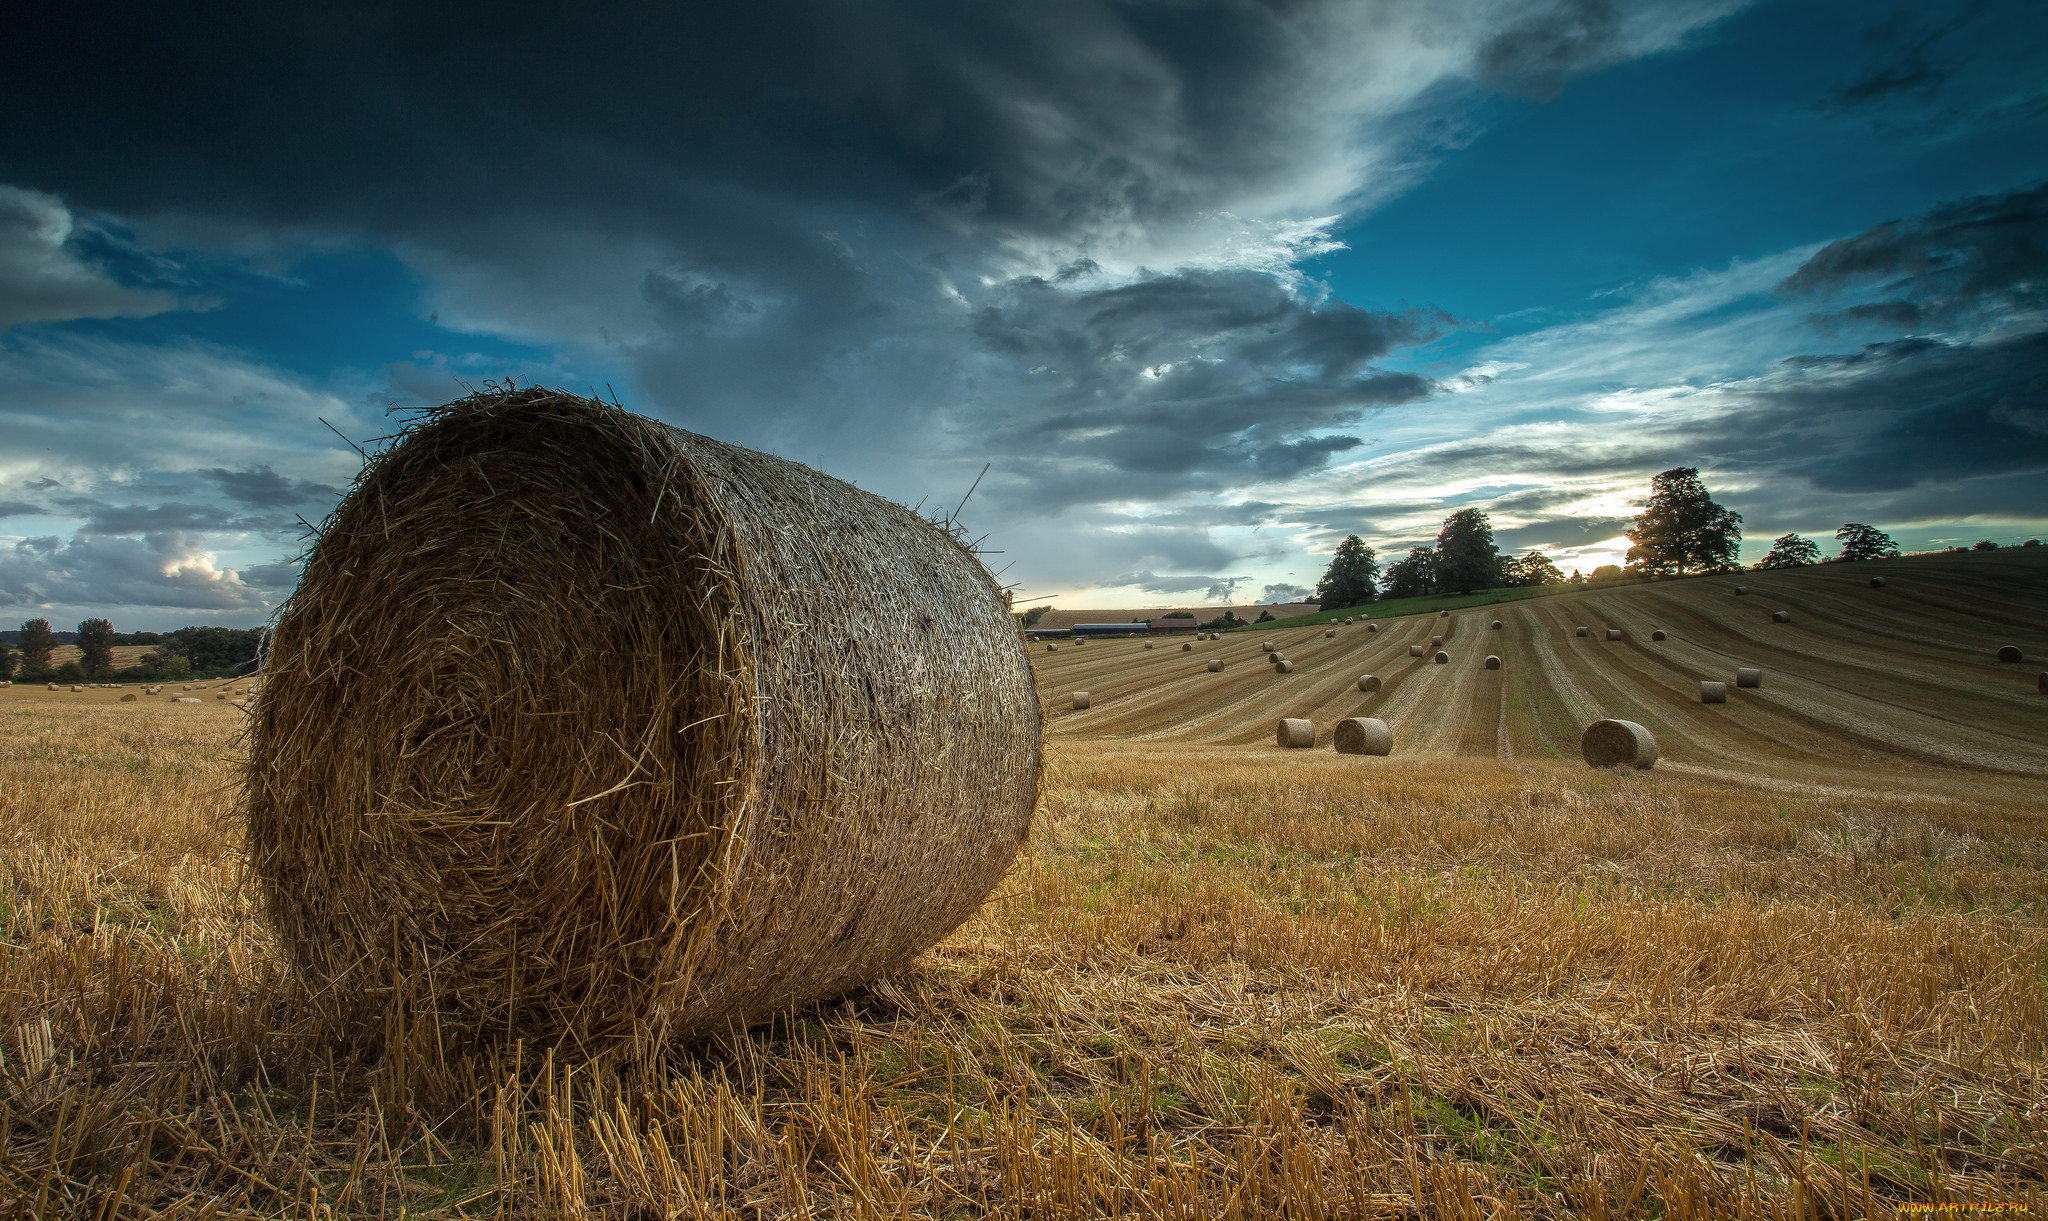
(1268, 646)
(1781, 616)
(1713, 692)
(1492, 662)
(1442, 657)
(1368, 682)
(1329, 632)
(1749, 676)
(2010, 653)
(1148, 644)
(1436, 642)
(1295, 733)
(1363, 735)
(1658, 635)
(1372, 627)
(1080, 700)
(1285, 667)
(1215, 665)
(1187, 648)
(1877, 582)
(1414, 650)
(1443, 614)
(1617, 743)
(1496, 625)
(1050, 647)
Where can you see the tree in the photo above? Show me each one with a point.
(1534, 568)
(96, 646)
(1413, 575)
(1861, 542)
(1607, 572)
(1683, 529)
(1790, 551)
(1353, 578)
(1985, 544)
(1265, 617)
(1466, 558)
(36, 643)
(7, 657)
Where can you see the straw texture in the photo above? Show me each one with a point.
(584, 729)
(1216, 665)
(1617, 743)
(1296, 733)
(1363, 735)
(1496, 625)
(1283, 667)
(1414, 650)
(1614, 633)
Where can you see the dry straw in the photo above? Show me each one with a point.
(1148, 644)
(586, 729)
(1368, 682)
(2010, 652)
(1363, 735)
(1443, 614)
(1051, 647)
(1492, 662)
(1296, 733)
(1372, 627)
(1185, 647)
(1328, 632)
(1080, 700)
(1748, 676)
(1268, 646)
(1617, 743)
(1781, 616)
(1712, 692)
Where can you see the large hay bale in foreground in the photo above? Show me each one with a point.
(1749, 676)
(1363, 735)
(2011, 653)
(1368, 682)
(1283, 667)
(1296, 733)
(585, 729)
(1617, 743)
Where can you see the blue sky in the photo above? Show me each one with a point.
(1209, 286)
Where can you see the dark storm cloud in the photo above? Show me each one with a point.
(1213, 589)
(103, 518)
(20, 508)
(164, 569)
(1538, 54)
(262, 488)
(1988, 253)
(1900, 58)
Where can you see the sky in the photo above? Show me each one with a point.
(1205, 286)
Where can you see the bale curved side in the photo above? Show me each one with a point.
(1579, 631)
(1368, 682)
(1617, 743)
(1215, 665)
(1713, 692)
(1414, 650)
(1781, 616)
(561, 737)
(1363, 735)
(1285, 667)
(1080, 700)
(1749, 676)
(1296, 733)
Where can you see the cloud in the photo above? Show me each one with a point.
(1214, 589)
(171, 569)
(261, 487)
(1898, 61)
(45, 276)
(1286, 593)
(20, 508)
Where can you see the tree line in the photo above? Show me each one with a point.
(1682, 531)
(189, 652)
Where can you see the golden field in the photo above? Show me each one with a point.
(1799, 969)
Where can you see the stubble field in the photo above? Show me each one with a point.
(1796, 970)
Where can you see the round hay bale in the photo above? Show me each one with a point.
(1368, 682)
(1414, 650)
(1078, 641)
(1748, 676)
(2010, 652)
(1496, 625)
(75, 688)
(186, 699)
(1276, 658)
(1877, 582)
(614, 766)
(1285, 667)
(1658, 634)
(1436, 642)
(1185, 647)
(1781, 616)
(1215, 665)
(1268, 645)
(1616, 743)
(1372, 627)
(1080, 700)
(1148, 644)
(1614, 633)
(1742, 591)
(1349, 619)
(1296, 733)
(1578, 631)
(1363, 735)
(1492, 662)
(1443, 614)
(128, 698)
(1052, 646)
(1442, 657)
(1329, 632)
(1713, 692)
(53, 686)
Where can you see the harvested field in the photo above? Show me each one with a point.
(1790, 971)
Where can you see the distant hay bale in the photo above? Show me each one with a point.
(1658, 634)
(1368, 682)
(1052, 646)
(1492, 661)
(1781, 616)
(1496, 625)
(1748, 676)
(1742, 591)
(1713, 692)
(76, 689)
(1296, 733)
(1285, 667)
(53, 686)
(1435, 641)
(1614, 633)
(1414, 650)
(1185, 647)
(1269, 646)
(1578, 631)
(1215, 665)
(1148, 644)
(2010, 652)
(1080, 700)
(566, 737)
(1617, 743)
(186, 699)
(128, 698)
(1349, 619)
(1877, 582)
(1443, 614)
(1372, 627)
(1363, 735)
(1442, 658)
(1276, 658)
(1329, 631)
